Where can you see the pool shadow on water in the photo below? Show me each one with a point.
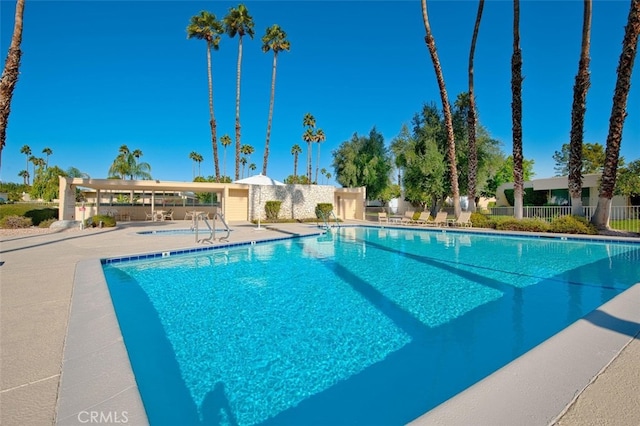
(166, 397)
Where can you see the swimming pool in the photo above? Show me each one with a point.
(367, 325)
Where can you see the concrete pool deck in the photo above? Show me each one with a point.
(37, 276)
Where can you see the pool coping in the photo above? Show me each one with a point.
(97, 378)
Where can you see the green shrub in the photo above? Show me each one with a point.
(416, 216)
(40, 215)
(272, 208)
(107, 221)
(530, 225)
(46, 223)
(323, 209)
(480, 220)
(15, 222)
(572, 225)
(36, 212)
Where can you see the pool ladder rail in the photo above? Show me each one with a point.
(326, 219)
(211, 228)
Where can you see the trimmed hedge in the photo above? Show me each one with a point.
(272, 208)
(107, 221)
(324, 208)
(572, 225)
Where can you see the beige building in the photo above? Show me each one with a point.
(238, 202)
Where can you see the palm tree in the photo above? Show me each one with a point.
(446, 109)
(275, 39)
(10, 74)
(328, 175)
(618, 114)
(239, 22)
(516, 113)
(206, 27)
(247, 150)
(195, 156)
(24, 174)
(225, 140)
(578, 110)
(295, 151)
(308, 136)
(319, 138)
(243, 162)
(323, 172)
(137, 154)
(472, 117)
(26, 150)
(47, 152)
(252, 166)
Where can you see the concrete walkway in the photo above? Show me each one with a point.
(37, 272)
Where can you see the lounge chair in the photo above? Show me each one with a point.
(168, 215)
(407, 219)
(423, 219)
(383, 218)
(148, 216)
(439, 220)
(463, 220)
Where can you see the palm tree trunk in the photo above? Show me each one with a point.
(309, 161)
(273, 93)
(212, 121)
(578, 110)
(618, 114)
(10, 74)
(295, 164)
(446, 108)
(318, 162)
(516, 113)
(471, 117)
(239, 68)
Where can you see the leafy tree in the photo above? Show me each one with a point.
(628, 180)
(238, 22)
(10, 74)
(591, 154)
(363, 161)
(504, 174)
(206, 27)
(46, 185)
(275, 39)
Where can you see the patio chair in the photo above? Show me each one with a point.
(383, 218)
(168, 215)
(439, 220)
(148, 216)
(407, 219)
(463, 220)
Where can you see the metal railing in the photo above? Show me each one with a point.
(623, 218)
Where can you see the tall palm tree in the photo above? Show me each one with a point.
(446, 109)
(243, 163)
(578, 110)
(47, 151)
(472, 116)
(319, 138)
(24, 174)
(618, 114)
(26, 150)
(308, 136)
(323, 172)
(137, 154)
(194, 156)
(225, 140)
(275, 39)
(206, 27)
(252, 166)
(247, 150)
(295, 151)
(516, 113)
(238, 21)
(10, 74)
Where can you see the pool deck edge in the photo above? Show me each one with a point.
(539, 387)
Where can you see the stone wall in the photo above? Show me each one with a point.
(298, 201)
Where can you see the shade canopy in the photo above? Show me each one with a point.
(259, 179)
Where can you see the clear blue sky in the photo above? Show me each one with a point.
(96, 75)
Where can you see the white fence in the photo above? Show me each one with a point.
(625, 218)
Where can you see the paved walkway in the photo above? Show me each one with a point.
(37, 273)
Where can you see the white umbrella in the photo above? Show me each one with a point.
(260, 180)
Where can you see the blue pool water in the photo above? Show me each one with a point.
(362, 326)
